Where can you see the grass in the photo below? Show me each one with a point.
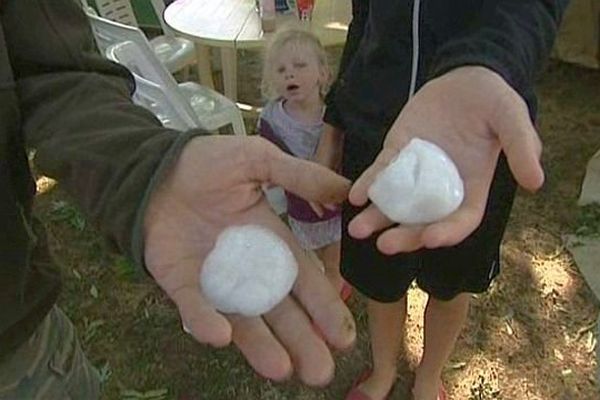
(588, 221)
(530, 337)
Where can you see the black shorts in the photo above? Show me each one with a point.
(443, 273)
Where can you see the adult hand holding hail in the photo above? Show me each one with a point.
(473, 115)
(215, 184)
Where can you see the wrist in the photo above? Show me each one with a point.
(483, 88)
(477, 75)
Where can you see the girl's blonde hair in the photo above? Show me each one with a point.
(294, 37)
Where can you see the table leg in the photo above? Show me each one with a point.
(204, 68)
(229, 62)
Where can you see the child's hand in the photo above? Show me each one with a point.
(319, 208)
(328, 154)
(329, 150)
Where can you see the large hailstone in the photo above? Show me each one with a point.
(249, 271)
(421, 185)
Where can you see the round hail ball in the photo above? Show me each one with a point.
(420, 186)
(249, 271)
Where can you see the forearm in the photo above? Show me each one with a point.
(105, 152)
(77, 114)
(330, 148)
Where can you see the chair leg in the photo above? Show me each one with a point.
(204, 68)
(229, 64)
(186, 73)
(239, 128)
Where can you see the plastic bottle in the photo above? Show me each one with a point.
(267, 15)
(305, 8)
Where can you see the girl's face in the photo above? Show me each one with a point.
(297, 74)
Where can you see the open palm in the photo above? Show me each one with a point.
(216, 183)
(473, 114)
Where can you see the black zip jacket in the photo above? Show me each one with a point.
(511, 37)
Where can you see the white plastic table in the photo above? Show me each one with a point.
(230, 25)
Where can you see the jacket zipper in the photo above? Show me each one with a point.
(415, 47)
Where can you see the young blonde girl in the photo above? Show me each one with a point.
(296, 76)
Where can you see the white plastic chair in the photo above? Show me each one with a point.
(151, 96)
(174, 52)
(186, 105)
(117, 10)
(276, 198)
(159, 10)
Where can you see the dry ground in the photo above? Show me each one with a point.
(530, 337)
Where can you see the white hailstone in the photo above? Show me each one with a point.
(249, 271)
(421, 185)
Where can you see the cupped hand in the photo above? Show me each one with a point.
(473, 114)
(216, 183)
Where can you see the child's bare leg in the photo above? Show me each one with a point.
(443, 322)
(330, 257)
(386, 328)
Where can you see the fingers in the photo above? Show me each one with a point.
(520, 142)
(317, 208)
(260, 348)
(252, 336)
(447, 232)
(368, 222)
(198, 316)
(323, 304)
(359, 192)
(291, 342)
(291, 323)
(200, 319)
(452, 230)
(310, 356)
(331, 207)
(407, 238)
(400, 239)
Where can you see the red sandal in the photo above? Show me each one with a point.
(346, 292)
(442, 395)
(356, 394)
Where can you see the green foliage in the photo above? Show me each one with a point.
(62, 211)
(156, 394)
(125, 268)
(588, 221)
(105, 372)
(91, 328)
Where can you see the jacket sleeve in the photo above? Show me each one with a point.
(360, 13)
(77, 115)
(512, 37)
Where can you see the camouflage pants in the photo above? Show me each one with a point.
(49, 366)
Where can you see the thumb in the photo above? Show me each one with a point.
(359, 193)
(521, 144)
(311, 181)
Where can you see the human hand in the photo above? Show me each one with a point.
(216, 183)
(328, 154)
(473, 114)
